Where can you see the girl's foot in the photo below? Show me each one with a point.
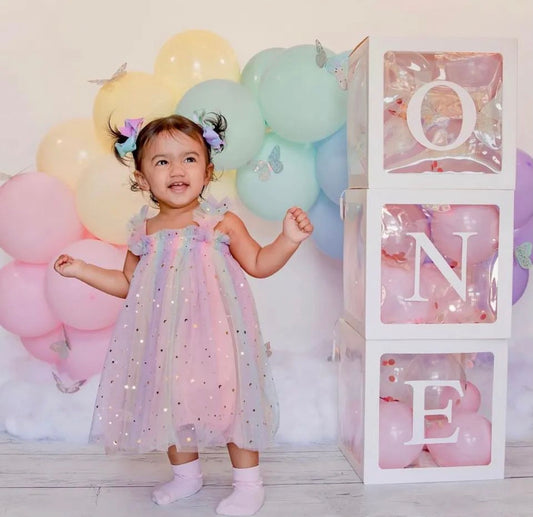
(187, 481)
(248, 493)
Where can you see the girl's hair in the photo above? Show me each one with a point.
(169, 124)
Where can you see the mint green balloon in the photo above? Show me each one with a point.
(253, 71)
(300, 101)
(246, 127)
(272, 183)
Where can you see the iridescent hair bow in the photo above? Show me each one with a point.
(210, 135)
(130, 129)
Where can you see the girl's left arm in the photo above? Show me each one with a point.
(264, 261)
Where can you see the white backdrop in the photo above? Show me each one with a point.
(50, 48)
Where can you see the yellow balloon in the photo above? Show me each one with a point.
(67, 149)
(224, 185)
(104, 200)
(132, 95)
(190, 57)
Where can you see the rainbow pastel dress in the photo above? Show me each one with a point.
(187, 365)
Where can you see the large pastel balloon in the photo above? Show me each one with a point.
(396, 428)
(104, 200)
(131, 95)
(523, 207)
(48, 347)
(88, 349)
(255, 68)
(483, 220)
(300, 101)
(468, 403)
(193, 56)
(246, 128)
(396, 222)
(332, 165)
(67, 149)
(473, 446)
(520, 280)
(328, 227)
(24, 309)
(37, 217)
(78, 304)
(269, 194)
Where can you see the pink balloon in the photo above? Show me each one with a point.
(396, 428)
(37, 217)
(88, 349)
(24, 309)
(470, 402)
(396, 222)
(42, 347)
(481, 219)
(392, 377)
(76, 303)
(475, 71)
(473, 446)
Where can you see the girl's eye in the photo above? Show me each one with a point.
(161, 162)
(190, 159)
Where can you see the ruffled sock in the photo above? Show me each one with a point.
(187, 481)
(248, 493)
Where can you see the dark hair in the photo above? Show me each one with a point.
(170, 124)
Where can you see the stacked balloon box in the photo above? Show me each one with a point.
(428, 259)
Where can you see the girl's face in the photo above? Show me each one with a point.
(174, 170)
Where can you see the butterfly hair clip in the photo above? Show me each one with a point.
(121, 70)
(336, 65)
(73, 388)
(273, 164)
(523, 254)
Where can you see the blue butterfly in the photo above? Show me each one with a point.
(264, 168)
(523, 254)
(336, 65)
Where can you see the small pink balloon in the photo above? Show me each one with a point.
(470, 402)
(475, 71)
(392, 377)
(396, 222)
(473, 446)
(76, 303)
(483, 220)
(88, 349)
(37, 217)
(24, 309)
(46, 348)
(396, 428)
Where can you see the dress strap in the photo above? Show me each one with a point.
(137, 229)
(210, 212)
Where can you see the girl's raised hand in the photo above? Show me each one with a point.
(296, 225)
(67, 266)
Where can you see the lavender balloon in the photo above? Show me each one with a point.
(523, 206)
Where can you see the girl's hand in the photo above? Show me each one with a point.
(67, 266)
(296, 225)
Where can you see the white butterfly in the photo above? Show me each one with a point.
(273, 164)
(68, 389)
(337, 65)
(119, 73)
(61, 348)
(523, 254)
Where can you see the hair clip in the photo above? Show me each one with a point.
(130, 129)
(210, 135)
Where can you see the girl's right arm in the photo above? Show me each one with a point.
(110, 281)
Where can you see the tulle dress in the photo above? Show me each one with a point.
(187, 365)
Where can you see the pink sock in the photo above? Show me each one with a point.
(248, 493)
(187, 481)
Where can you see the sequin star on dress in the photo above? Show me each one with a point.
(187, 365)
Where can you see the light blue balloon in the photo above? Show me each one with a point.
(269, 185)
(301, 101)
(246, 127)
(332, 165)
(328, 230)
(253, 70)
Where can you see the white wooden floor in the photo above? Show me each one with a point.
(55, 479)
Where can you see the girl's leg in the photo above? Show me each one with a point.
(248, 494)
(187, 477)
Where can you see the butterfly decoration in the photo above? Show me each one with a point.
(437, 208)
(273, 164)
(335, 65)
(268, 349)
(68, 389)
(61, 348)
(523, 254)
(121, 70)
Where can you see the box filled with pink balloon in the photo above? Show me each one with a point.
(421, 410)
(431, 264)
(432, 113)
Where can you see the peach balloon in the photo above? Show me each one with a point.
(194, 56)
(24, 309)
(78, 304)
(224, 185)
(104, 200)
(132, 95)
(37, 217)
(67, 148)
